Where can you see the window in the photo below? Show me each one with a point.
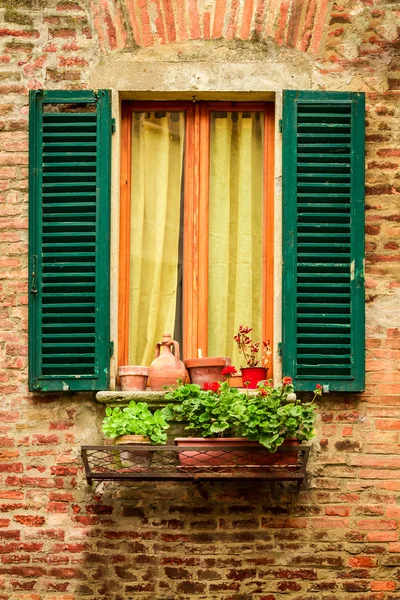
(196, 226)
(322, 219)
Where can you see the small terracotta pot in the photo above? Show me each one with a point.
(253, 375)
(137, 459)
(133, 378)
(131, 439)
(207, 369)
(249, 456)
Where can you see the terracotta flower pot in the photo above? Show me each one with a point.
(131, 439)
(207, 369)
(253, 375)
(253, 454)
(133, 378)
(137, 459)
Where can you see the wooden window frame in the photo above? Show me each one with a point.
(196, 207)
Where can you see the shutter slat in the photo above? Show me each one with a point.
(69, 213)
(323, 327)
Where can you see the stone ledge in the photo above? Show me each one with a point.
(119, 398)
(153, 399)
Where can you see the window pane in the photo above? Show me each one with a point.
(235, 230)
(156, 188)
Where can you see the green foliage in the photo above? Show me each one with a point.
(136, 419)
(269, 416)
(208, 413)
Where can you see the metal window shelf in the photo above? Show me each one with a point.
(148, 462)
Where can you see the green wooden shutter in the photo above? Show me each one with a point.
(69, 240)
(323, 239)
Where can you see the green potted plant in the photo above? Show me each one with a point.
(224, 416)
(135, 424)
(253, 353)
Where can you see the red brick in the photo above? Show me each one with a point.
(30, 520)
(361, 561)
(379, 586)
(377, 524)
(329, 523)
(45, 439)
(337, 511)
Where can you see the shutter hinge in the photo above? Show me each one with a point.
(111, 348)
(280, 348)
(280, 126)
(34, 275)
(113, 125)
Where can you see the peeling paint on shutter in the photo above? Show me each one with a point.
(69, 240)
(323, 239)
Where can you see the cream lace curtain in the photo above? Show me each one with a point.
(157, 159)
(235, 230)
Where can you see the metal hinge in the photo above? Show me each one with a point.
(280, 125)
(34, 275)
(113, 125)
(111, 348)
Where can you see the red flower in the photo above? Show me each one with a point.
(287, 381)
(264, 393)
(318, 386)
(229, 371)
(211, 387)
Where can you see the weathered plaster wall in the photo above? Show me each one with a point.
(338, 537)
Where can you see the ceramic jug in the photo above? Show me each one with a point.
(167, 367)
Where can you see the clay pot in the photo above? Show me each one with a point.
(131, 439)
(136, 460)
(133, 379)
(167, 367)
(207, 369)
(245, 453)
(253, 375)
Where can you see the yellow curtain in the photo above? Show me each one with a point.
(235, 230)
(157, 159)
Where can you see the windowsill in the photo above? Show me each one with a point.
(119, 398)
(153, 399)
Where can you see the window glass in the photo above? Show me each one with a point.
(235, 257)
(156, 231)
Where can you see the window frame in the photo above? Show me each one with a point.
(196, 202)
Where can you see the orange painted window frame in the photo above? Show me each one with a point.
(196, 198)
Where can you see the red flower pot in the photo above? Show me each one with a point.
(253, 375)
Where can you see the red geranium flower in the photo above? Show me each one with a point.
(318, 386)
(211, 387)
(287, 381)
(229, 371)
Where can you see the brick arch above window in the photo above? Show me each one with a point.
(295, 24)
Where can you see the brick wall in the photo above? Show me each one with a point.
(337, 537)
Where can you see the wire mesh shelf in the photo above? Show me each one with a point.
(145, 461)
